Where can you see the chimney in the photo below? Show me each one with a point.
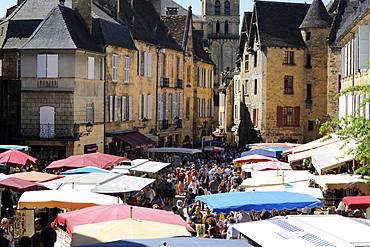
(84, 7)
(62, 2)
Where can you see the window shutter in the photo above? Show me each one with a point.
(342, 106)
(145, 107)
(361, 100)
(349, 105)
(160, 106)
(367, 108)
(52, 65)
(110, 108)
(115, 108)
(124, 108)
(174, 105)
(138, 63)
(297, 113)
(166, 106)
(150, 106)
(279, 116)
(363, 43)
(130, 108)
(114, 67)
(41, 65)
(149, 64)
(127, 69)
(90, 70)
(140, 106)
(181, 105)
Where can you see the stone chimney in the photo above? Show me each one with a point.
(84, 7)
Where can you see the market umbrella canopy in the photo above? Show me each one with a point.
(79, 161)
(115, 212)
(271, 165)
(175, 241)
(71, 199)
(17, 158)
(253, 158)
(281, 145)
(315, 192)
(355, 202)
(35, 176)
(338, 181)
(125, 229)
(20, 185)
(108, 157)
(259, 151)
(257, 201)
(85, 170)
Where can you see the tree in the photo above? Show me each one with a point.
(353, 127)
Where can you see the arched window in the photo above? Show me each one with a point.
(227, 8)
(218, 27)
(218, 8)
(226, 27)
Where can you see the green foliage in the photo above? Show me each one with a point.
(353, 128)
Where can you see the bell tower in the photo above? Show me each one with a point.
(221, 33)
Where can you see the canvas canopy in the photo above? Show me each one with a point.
(150, 167)
(173, 150)
(307, 231)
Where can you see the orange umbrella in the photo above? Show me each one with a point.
(17, 158)
(35, 176)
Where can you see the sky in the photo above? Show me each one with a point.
(245, 5)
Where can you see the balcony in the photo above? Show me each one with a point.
(163, 124)
(355, 17)
(165, 82)
(178, 123)
(48, 131)
(178, 83)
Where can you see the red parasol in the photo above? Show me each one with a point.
(20, 185)
(115, 212)
(17, 158)
(80, 161)
(107, 157)
(35, 176)
(355, 202)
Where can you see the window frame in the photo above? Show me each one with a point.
(288, 84)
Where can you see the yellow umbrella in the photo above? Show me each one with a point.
(124, 229)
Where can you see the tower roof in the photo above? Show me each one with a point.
(316, 16)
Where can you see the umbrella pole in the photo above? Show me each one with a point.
(131, 212)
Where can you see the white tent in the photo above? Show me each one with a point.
(123, 184)
(338, 181)
(150, 167)
(308, 230)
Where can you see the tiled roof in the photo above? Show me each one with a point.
(176, 25)
(37, 9)
(63, 28)
(316, 16)
(199, 52)
(278, 23)
(244, 31)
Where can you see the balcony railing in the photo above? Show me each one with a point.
(178, 123)
(362, 9)
(178, 83)
(163, 124)
(165, 82)
(48, 131)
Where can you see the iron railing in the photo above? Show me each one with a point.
(48, 131)
(165, 82)
(163, 124)
(178, 83)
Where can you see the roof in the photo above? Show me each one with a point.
(63, 28)
(244, 31)
(316, 16)
(180, 9)
(278, 23)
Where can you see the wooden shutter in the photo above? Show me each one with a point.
(115, 108)
(149, 64)
(160, 106)
(150, 106)
(110, 108)
(145, 105)
(41, 65)
(297, 113)
(90, 69)
(52, 66)
(174, 105)
(127, 69)
(130, 108)
(279, 116)
(349, 105)
(166, 106)
(363, 43)
(181, 105)
(140, 106)
(123, 108)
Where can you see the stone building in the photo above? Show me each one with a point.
(283, 69)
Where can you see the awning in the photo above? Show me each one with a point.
(136, 140)
(123, 183)
(307, 230)
(150, 167)
(315, 144)
(173, 150)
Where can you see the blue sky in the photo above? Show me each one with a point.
(246, 5)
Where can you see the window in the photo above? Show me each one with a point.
(47, 119)
(47, 66)
(288, 116)
(126, 108)
(288, 84)
(246, 62)
(310, 125)
(217, 8)
(246, 88)
(114, 67)
(255, 86)
(18, 69)
(255, 117)
(100, 61)
(90, 112)
(308, 61)
(217, 27)
(112, 108)
(227, 8)
(90, 68)
(163, 71)
(288, 57)
(308, 35)
(309, 92)
(150, 106)
(126, 72)
(187, 109)
(255, 59)
(145, 64)
(226, 27)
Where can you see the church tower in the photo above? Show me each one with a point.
(221, 33)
